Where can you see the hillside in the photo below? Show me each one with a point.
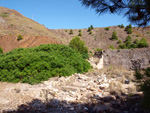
(12, 23)
(100, 38)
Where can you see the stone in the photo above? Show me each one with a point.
(127, 82)
(104, 86)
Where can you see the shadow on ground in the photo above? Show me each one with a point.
(112, 104)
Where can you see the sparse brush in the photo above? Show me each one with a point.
(19, 37)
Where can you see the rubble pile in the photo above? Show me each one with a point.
(83, 93)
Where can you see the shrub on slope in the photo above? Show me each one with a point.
(33, 65)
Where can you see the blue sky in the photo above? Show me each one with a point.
(63, 14)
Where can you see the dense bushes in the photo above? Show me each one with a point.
(136, 44)
(79, 45)
(33, 65)
(143, 81)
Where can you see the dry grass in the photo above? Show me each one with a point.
(115, 88)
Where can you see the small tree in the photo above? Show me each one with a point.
(136, 41)
(107, 28)
(79, 30)
(90, 32)
(71, 31)
(121, 26)
(19, 37)
(122, 46)
(128, 38)
(129, 31)
(128, 43)
(142, 43)
(119, 42)
(114, 36)
(91, 27)
(128, 27)
(80, 34)
(79, 45)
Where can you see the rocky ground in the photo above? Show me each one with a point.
(93, 92)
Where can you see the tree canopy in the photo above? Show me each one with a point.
(137, 11)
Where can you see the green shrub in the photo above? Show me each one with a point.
(98, 50)
(142, 43)
(119, 42)
(136, 44)
(133, 46)
(79, 30)
(136, 41)
(129, 31)
(128, 43)
(114, 36)
(122, 46)
(79, 45)
(128, 38)
(143, 82)
(71, 31)
(128, 27)
(107, 28)
(91, 27)
(1, 50)
(90, 32)
(111, 47)
(80, 34)
(19, 37)
(36, 64)
(66, 30)
(121, 26)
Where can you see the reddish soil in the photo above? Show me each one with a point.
(9, 43)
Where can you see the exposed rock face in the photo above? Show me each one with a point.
(125, 58)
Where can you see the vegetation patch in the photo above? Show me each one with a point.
(5, 14)
(1, 51)
(36, 64)
(19, 37)
(114, 36)
(71, 32)
(107, 28)
(79, 45)
(136, 44)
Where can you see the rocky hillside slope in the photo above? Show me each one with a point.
(101, 38)
(12, 23)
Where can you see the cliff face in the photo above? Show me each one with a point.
(127, 58)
